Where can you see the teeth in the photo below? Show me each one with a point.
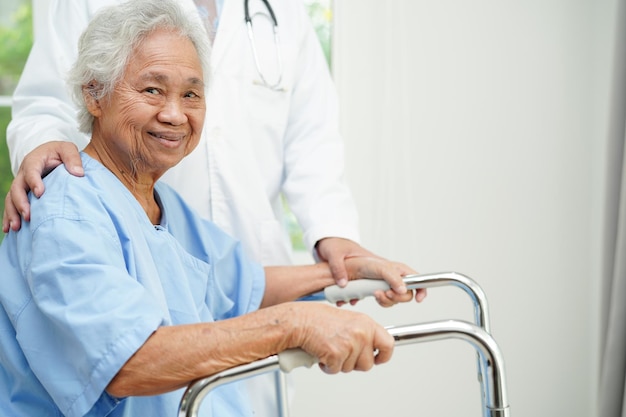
(165, 137)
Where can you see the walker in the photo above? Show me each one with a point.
(491, 374)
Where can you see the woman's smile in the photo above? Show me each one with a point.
(169, 139)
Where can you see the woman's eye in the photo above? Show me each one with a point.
(191, 94)
(151, 90)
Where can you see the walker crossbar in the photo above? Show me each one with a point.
(359, 289)
(483, 342)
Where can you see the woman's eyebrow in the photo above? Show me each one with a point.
(162, 78)
(196, 81)
(154, 76)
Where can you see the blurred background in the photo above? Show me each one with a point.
(16, 38)
(487, 137)
(484, 137)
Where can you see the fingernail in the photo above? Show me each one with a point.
(342, 282)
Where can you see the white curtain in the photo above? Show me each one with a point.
(613, 371)
(476, 136)
(612, 389)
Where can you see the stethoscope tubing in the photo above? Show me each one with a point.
(248, 20)
(267, 6)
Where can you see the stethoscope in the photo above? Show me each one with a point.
(275, 86)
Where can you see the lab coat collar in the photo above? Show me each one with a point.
(231, 20)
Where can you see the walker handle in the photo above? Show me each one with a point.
(355, 290)
(290, 359)
(361, 288)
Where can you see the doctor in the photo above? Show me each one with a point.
(272, 130)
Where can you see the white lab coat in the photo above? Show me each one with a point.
(256, 143)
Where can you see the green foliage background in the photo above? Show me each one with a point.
(321, 16)
(16, 39)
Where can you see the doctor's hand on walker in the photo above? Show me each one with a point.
(364, 267)
(338, 252)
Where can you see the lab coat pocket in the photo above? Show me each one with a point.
(267, 108)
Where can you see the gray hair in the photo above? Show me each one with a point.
(106, 45)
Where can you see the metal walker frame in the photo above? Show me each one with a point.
(490, 364)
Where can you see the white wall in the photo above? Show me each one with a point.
(476, 138)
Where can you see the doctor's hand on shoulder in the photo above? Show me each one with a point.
(36, 165)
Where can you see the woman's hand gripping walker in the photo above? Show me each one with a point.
(491, 372)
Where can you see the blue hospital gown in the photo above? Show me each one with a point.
(89, 279)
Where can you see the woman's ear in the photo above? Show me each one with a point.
(91, 92)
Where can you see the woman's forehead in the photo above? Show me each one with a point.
(166, 47)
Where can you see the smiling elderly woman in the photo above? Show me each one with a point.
(116, 295)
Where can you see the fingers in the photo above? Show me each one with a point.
(10, 217)
(335, 251)
(343, 341)
(70, 157)
(395, 280)
(363, 357)
(36, 165)
(31, 178)
(390, 298)
(16, 202)
(384, 345)
(420, 295)
(356, 360)
(391, 272)
(338, 269)
(16, 206)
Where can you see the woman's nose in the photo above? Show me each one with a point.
(173, 113)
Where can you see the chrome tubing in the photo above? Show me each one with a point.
(455, 279)
(495, 399)
(486, 347)
(365, 287)
(195, 393)
(481, 312)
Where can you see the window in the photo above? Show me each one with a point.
(321, 14)
(16, 39)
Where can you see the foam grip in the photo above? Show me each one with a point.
(355, 290)
(294, 358)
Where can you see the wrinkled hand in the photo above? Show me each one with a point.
(391, 272)
(36, 165)
(339, 252)
(341, 340)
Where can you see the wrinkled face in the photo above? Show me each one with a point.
(154, 116)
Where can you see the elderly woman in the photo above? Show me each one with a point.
(116, 294)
